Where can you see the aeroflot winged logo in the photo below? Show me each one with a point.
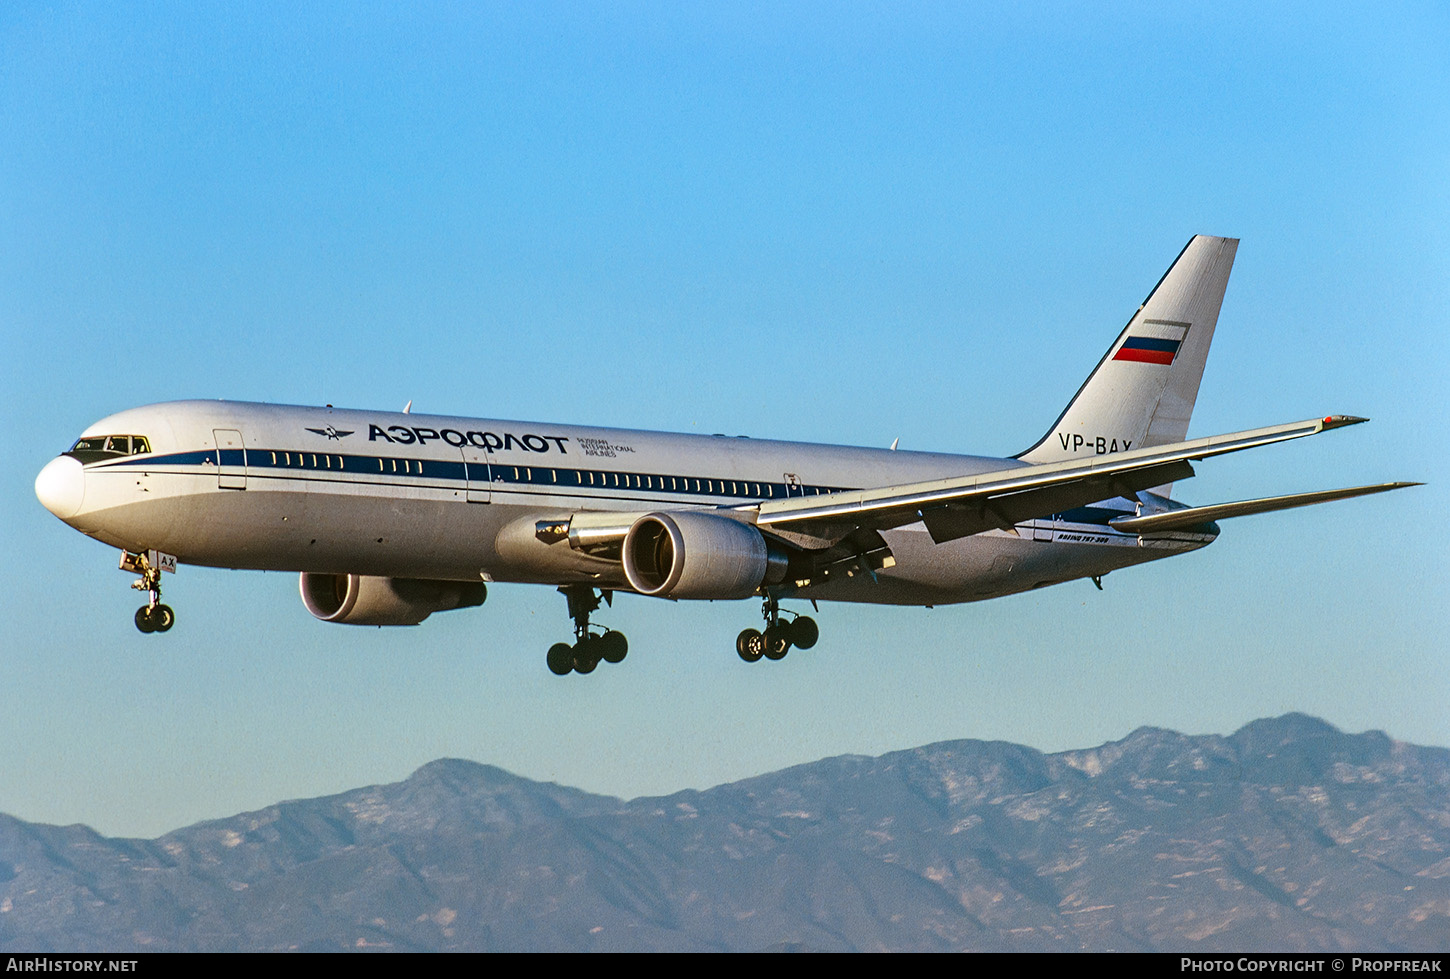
(330, 432)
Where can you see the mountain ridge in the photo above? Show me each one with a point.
(1286, 835)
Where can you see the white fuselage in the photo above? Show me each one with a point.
(326, 490)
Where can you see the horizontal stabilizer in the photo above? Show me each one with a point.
(1197, 516)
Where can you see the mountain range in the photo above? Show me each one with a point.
(1287, 835)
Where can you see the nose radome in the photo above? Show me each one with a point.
(61, 486)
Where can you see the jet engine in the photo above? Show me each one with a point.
(370, 600)
(693, 554)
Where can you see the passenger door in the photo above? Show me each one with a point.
(476, 473)
(231, 459)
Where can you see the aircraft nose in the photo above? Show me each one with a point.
(61, 486)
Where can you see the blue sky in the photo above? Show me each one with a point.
(827, 222)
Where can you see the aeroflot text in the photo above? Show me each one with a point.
(1307, 965)
(479, 440)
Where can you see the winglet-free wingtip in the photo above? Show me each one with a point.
(1339, 421)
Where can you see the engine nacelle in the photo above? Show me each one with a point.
(371, 600)
(695, 554)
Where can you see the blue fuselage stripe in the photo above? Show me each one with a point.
(368, 469)
(395, 471)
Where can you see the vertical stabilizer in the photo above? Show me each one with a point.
(1142, 392)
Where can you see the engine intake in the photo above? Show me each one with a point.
(370, 600)
(693, 554)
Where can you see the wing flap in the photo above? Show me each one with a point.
(946, 523)
(1197, 516)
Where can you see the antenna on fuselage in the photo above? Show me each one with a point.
(895, 442)
(408, 408)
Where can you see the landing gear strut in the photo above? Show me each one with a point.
(588, 649)
(778, 637)
(153, 616)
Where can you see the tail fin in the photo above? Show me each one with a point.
(1142, 392)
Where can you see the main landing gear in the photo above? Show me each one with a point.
(153, 616)
(778, 637)
(588, 649)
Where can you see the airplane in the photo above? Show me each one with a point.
(389, 517)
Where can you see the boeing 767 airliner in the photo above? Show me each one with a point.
(390, 517)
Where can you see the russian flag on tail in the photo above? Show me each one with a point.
(1148, 350)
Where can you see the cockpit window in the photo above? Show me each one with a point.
(98, 447)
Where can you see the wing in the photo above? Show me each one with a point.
(966, 505)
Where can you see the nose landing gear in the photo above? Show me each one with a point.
(588, 649)
(153, 616)
(778, 637)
